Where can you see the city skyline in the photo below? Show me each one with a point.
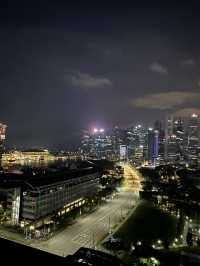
(68, 67)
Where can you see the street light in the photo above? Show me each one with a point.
(109, 225)
(32, 227)
(132, 247)
(93, 240)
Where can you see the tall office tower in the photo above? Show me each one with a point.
(174, 138)
(179, 132)
(136, 142)
(85, 144)
(193, 138)
(173, 152)
(2, 138)
(118, 138)
(152, 145)
(158, 125)
(131, 140)
(96, 144)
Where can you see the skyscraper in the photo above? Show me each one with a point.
(174, 138)
(97, 144)
(158, 125)
(118, 137)
(137, 142)
(152, 145)
(193, 137)
(2, 138)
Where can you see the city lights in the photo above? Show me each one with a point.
(100, 133)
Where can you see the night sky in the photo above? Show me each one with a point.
(66, 67)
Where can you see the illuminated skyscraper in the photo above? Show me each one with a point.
(118, 137)
(174, 138)
(2, 138)
(137, 142)
(193, 138)
(97, 144)
(158, 125)
(152, 145)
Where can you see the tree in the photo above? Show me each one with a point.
(189, 239)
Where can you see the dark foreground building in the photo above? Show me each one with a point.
(34, 198)
(12, 252)
(87, 256)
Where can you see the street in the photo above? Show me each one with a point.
(89, 230)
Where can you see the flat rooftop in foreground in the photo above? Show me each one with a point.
(48, 177)
(15, 252)
(22, 254)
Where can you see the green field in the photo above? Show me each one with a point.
(148, 224)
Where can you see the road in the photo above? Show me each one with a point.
(132, 179)
(89, 230)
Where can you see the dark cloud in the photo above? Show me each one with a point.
(158, 68)
(190, 62)
(86, 81)
(186, 112)
(166, 100)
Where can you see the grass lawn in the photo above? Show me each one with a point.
(148, 224)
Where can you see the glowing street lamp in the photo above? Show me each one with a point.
(133, 247)
(32, 227)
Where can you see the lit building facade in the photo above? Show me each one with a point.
(41, 197)
(174, 139)
(2, 138)
(192, 147)
(118, 138)
(137, 143)
(152, 145)
(31, 155)
(97, 144)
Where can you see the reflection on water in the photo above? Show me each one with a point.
(9, 166)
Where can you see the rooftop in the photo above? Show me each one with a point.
(43, 178)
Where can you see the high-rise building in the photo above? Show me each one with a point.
(179, 130)
(174, 138)
(152, 145)
(97, 144)
(158, 125)
(2, 138)
(193, 138)
(123, 152)
(137, 141)
(118, 137)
